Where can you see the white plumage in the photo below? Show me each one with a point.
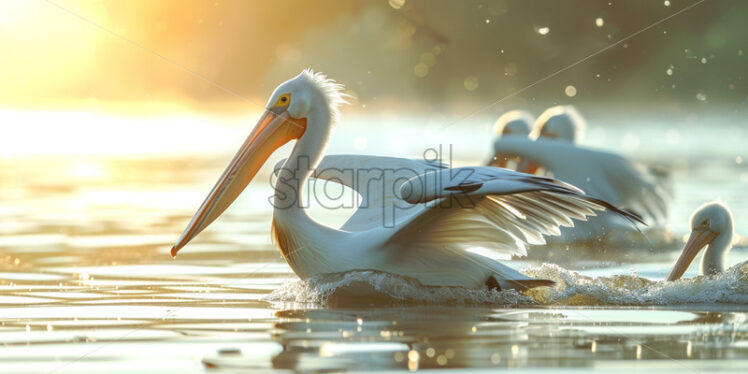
(417, 219)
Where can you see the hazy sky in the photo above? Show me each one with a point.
(139, 54)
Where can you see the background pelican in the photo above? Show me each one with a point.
(604, 175)
(512, 123)
(562, 122)
(423, 221)
(711, 227)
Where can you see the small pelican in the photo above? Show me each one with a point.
(421, 220)
(562, 122)
(604, 175)
(512, 123)
(711, 227)
(515, 122)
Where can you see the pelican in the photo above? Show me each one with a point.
(512, 123)
(601, 174)
(562, 122)
(515, 122)
(711, 227)
(421, 219)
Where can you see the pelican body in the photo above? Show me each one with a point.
(711, 227)
(441, 226)
(550, 149)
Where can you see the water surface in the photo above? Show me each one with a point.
(86, 283)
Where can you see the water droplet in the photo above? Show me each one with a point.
(703, 60)
(669, 71)
(700, 97)
(667, 2)
(495, 358)
(397, 4)
(488, 21)
(441, 360)
(421, 70)
(599, 22)
(399, 356)
(471, 83)
(430, 352)
(542, 30)
(570, 91)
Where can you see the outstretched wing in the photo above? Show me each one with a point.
(377, 180)
(496, 209)
(600, 174)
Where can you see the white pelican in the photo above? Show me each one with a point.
(512, 123)
(711, 227)
(603, 175)
(422, 221)
(562, 122)
(515, 122)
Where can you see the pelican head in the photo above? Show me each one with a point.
(303, 109)
(711, 227)
(515, 122)
(561, 122)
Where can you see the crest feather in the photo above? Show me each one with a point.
(330, 89)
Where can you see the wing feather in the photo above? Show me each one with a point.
(509, 210)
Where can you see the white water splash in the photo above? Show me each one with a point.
(729, 287)
(387, 287)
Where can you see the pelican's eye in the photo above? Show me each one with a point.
(283, 100)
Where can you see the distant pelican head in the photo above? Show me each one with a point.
(560, 122)
(515, 122)
(711, 227)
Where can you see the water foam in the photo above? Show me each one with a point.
(572, 288)
(728, 287)
(380, 286)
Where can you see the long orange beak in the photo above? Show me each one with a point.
(272, 131)
(699, 239)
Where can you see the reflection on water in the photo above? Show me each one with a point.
(86, 285)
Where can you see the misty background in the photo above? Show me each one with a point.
(402, 55)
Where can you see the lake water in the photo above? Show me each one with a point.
(87, 284)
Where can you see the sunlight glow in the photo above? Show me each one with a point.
(26, 133)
